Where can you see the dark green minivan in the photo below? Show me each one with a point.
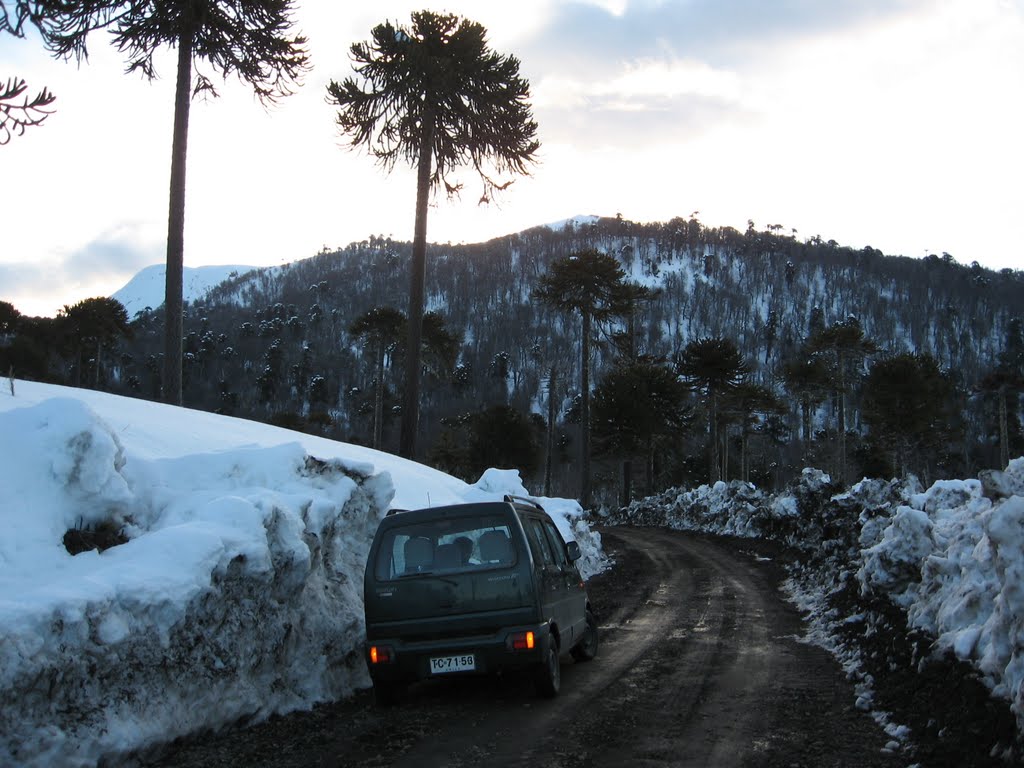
(472, 589)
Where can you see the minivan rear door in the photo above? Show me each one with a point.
(447, 576)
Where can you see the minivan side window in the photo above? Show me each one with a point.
(557, 544)
(542, 554)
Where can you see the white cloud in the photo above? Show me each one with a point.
(614, 7)
(673, 78)
(97, 268)
(902, 129)
(899, 135)
(639, 85)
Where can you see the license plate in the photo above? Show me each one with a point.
(441, 665)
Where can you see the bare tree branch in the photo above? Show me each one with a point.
(14, 117)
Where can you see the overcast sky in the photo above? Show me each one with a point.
(892, 123)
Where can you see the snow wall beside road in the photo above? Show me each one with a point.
(950, 557)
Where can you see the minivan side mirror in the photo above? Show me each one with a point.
(572, 549)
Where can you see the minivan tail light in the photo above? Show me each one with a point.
(523, 641)
(381, 654)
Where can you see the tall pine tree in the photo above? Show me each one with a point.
(436, 96)
(250, 39)
(593, 285)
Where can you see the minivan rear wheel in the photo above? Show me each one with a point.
(586, 648)
(548, 678)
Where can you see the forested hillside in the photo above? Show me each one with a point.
(932, 385)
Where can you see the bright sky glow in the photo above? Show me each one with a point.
(894, 124)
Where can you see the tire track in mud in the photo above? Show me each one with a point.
(532, 732)
(664, 710)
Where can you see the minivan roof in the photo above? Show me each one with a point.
(472, 507)
(449, 510)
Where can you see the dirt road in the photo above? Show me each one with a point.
(699, 666)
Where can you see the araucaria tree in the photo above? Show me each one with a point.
(843, 346)
(379, 329)
(436, 96)
(1005, 383)
(907, 409)
(637, 402)
(807, 379)
(250, 39)
(89, 326)
(593, 285)
(714, 367)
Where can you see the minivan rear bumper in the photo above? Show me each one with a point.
(410, 660)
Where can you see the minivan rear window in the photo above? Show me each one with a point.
(446, 545)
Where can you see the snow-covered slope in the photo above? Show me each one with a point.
(147, 288)
(237, 594)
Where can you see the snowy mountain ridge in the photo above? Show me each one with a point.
(147, 288)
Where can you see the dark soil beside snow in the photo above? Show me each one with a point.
(953, 718)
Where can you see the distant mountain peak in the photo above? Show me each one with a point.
(148, 287)
(558, 226)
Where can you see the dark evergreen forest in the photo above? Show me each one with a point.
(848, 360)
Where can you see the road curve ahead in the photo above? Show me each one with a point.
(699, 665)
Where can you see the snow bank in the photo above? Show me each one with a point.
(954, 560)
(733, 509)
(233, 590)
(239, 593)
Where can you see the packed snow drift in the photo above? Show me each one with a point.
(233, 586)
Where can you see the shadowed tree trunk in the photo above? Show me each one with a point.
(549, 459)
(173, 320)
(378, 396)
(585, 414)
(417, 292)
(1004, 431)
